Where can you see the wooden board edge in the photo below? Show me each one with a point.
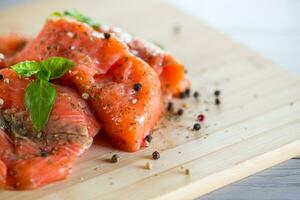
(235, 173)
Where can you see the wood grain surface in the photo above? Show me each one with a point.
(255, 127)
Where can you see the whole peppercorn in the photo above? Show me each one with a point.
(155, 155)
(200, 118)
(217, 93)
(180, 112)
(187, 92)
(85, 96)
(196, 127)
(217, 101)
(115, 158)
(148, 138)
(170, 106)
(148, 165)
(44, 153)
(196, 95)
(106, 36)
(137, 87)
(182, 95)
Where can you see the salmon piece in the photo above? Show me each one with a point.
(171, 72)
(9, 46)
(30, 159)
(107, 71)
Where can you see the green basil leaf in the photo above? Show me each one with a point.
(81, 18)
(26, 68)
(55, 15)
(44, 74)
(57, 66)
(39, 99)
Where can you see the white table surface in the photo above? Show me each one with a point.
(272, 28)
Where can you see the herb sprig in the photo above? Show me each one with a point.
(74, 14)
(40, 94)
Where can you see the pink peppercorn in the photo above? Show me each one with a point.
(201, 118)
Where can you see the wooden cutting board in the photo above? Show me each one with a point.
(256, 126)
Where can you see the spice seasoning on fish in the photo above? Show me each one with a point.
(85, 96)
(106, 36)
(137, 87)
(1, 76)
(44, 153)
(6, 81)
(1, 102)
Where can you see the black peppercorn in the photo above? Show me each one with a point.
(196, 95)
(106, 36)
(182, 95)
(170, 106)
(180, 112)
(1, 76)
(217, 101)
(155, 155)
(217, 93)
(187, 92)
(44, 153)
(115, 158)
(137, 87)
(148, 138)
(196, 127)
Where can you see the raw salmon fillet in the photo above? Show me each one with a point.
(170, 71)
(30, 159)
(107, 71)
(9, 46)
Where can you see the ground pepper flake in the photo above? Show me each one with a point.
(155, 155)
(6, 81)
(115, 158)
(44, 153)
